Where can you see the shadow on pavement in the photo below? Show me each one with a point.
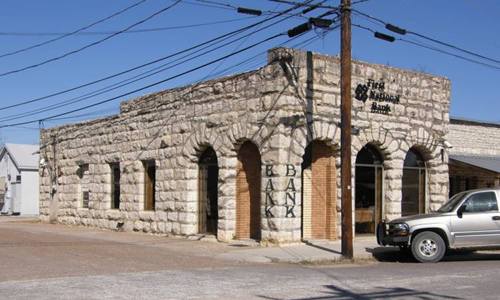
(321, 247)
(335, 292)
(393, 254)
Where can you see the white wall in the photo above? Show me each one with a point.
(7, 167)
(29, 193)
(474, 139)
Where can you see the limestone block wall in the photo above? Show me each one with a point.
(474, 137)
(281, 108)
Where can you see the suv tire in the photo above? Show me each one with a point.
(428, 247)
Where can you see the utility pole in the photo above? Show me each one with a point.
(345, 134)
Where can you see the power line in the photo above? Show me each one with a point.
(301, 43)
(402, 31)
(150, 85)
(129, 31)
(148, 63)
(91, 44)
(65, 35)
(448, 53)
(138, 77)
(359, 1)
(221, 72)
(432, 48)
(226, 6)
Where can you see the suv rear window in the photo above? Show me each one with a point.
(481, 202)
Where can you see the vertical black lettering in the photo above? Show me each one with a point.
(291, 197)
(269, 171)
(291, 185)
(290, 171)
(289, 212)
(269, 199)
(269, 186)
(269, 214)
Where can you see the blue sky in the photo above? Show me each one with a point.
(473, 25)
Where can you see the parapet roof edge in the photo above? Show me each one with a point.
(466, 121)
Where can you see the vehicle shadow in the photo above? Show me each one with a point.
(393, 254)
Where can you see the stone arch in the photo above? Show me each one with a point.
(202, 138)
(239, 133)
(184, 170)
(301, 137)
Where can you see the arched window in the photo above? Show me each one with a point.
(414, 182)
(368, 193)
(248, 187)
(208, 210)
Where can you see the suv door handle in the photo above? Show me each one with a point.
(496, 218)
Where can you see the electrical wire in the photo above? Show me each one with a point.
(91, 44)
(138, 77)
(65, 35)
(307, 42)
(227, 6)
(433, 48)
(221, 72)
(149, 85)
(155, 29)
(430, 38)
(145, 64)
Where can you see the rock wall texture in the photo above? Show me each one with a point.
(468, 137)
(281, 108)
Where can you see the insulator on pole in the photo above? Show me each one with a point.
(384, 37)
(299, 29)
(321, 23)
(249, 11)
(395, 29)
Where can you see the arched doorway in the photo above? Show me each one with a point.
(319, 192)
(368, 194)
(208, 192)
(413, 189)
(248, 181)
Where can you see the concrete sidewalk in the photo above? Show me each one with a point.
(314, 252)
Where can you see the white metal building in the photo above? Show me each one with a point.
(19, 179)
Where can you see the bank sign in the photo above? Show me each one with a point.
(375, 91)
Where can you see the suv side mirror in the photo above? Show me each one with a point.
(461, 210)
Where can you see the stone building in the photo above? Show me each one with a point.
(474, 154)
(254, 155)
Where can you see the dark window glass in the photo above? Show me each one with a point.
(149, 185)
(369, 155)
(85, 200)
(83, 173)
(115, 185)
(481, 202)
(414, 159)
(414, 182)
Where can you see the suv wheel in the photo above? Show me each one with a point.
(428, 247)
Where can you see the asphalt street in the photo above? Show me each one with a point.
(58, 262)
